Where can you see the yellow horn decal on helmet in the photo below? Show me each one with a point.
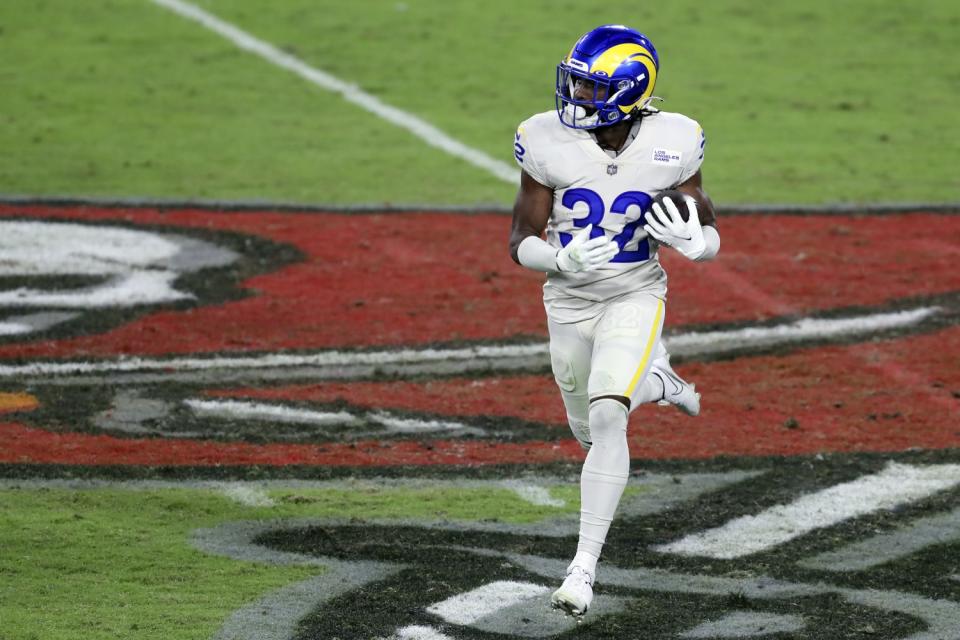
(610, 59)
(614, 56)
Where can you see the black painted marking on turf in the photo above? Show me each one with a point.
(571, 470)
(444, 565)
(77, 409)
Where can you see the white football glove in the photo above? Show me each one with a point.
(584, 253)
(671, 230)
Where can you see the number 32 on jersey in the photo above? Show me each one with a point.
(595, 212)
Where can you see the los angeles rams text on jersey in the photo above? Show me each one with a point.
(611, 193)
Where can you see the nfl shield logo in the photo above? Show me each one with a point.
(611, 169)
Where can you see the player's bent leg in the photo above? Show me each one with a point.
(602, 481)
(676, 390)
(663, 386)
(626, 343)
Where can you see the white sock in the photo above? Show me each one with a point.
(604, 476)
(651, 390)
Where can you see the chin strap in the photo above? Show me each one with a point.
(576, 115)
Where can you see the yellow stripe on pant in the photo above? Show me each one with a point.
(657, 322)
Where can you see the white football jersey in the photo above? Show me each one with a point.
(590, 187)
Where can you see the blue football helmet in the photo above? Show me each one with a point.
(608, 77)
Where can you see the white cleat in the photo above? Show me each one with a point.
(575, 594)
(676, 390)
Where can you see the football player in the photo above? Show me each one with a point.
(592, 171)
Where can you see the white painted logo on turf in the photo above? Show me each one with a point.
(467, 608)
(519, 609)
(123, 268)
(350, 364)
(896, 485)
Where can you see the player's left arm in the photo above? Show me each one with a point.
(693, 187)
(695, 234)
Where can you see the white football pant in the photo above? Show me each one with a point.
(608, 355)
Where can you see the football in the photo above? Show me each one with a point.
(677, 197)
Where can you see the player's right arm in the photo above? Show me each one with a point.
(531, 211)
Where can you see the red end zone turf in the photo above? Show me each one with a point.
(410, 279)
(404, 279)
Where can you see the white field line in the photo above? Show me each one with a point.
(241, 410)
(351, 93)
(234, 409)
(14, 328)
(466, 608)
(271, 361)
(412, 425)
(897, 484)
(687, 344)
(807, 328)
(418, 632)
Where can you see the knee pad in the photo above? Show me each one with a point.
(608, 421)
(563, 372)
(609, 458)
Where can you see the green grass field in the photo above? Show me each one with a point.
(117, 562)
(812, 103)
